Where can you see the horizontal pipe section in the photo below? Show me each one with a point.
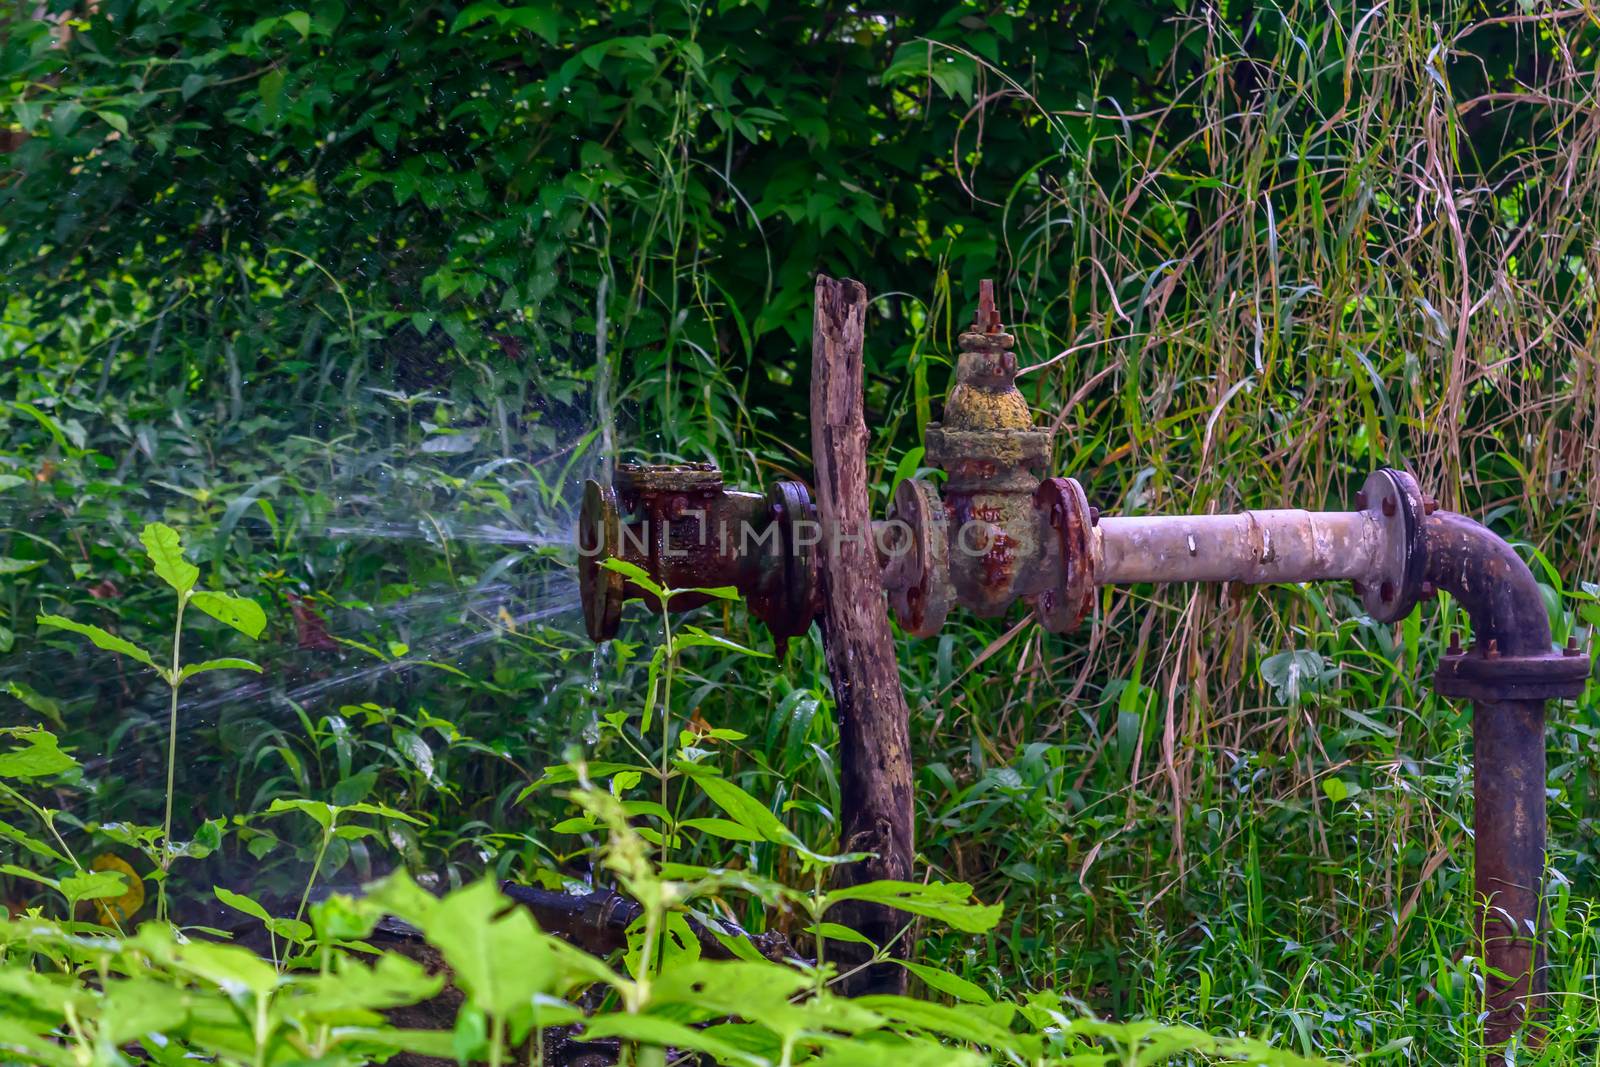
(1255, 547)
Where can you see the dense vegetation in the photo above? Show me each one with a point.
(349, 298)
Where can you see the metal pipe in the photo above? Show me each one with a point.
(1508, 830)
(1256, 547)
(1510, 673)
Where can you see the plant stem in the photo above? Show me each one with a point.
(666, 721)
(172, 752)
(497, 1027)
(316, 865)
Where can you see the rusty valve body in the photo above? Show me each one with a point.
(1000, 531)
(680, 525)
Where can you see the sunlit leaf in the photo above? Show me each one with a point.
(239, 612)
(101, 638)
(162, 545)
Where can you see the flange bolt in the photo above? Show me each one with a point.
(1572, 646)
(1493, 651)
(1388, 506)
(1455, 642)
(1386, 592)
(1429, 505)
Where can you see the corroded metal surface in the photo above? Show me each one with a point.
(916, 557)
(994, 459)
(1255, 547)
(1066, 514)
(681, 527)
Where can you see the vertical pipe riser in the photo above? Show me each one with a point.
(1509, 857)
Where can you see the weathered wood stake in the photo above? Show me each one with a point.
(875, 750)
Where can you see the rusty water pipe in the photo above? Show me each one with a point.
(680, 526)
(999, 537)
(1000, 533)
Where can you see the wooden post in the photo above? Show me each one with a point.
(875, 750)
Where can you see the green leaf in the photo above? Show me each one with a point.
(1295, 675)
(241, 613)
(746, 811)
(1338, 790)
(300, 21)
(115, 120)
(108, 641)
(240, 902)
(162, 545)
(949, 902)
(192, 669)
(40, 757)
(635, 574)
(49, 708)
(726, 829)
(18, 566)
(945, 982)
(32, 844)
(11, 481)
(323, 813)
(665, 1033)
(93, 885)
(838, 932)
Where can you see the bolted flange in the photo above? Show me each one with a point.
(1393, 500)
(917, 563)
(1068, 521)
(1481, 673)
(599, 538)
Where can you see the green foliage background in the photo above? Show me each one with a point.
(352, 295)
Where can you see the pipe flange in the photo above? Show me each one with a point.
(917, 573)
(1065, 512)
(790, 612)
(1481, 674)
(1395, 502)
(599, 537)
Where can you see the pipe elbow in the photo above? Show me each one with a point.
(1477, 567)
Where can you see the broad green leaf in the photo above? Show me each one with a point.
(192, 669)
(236, 970)
(18, 566)
(839, 932)
(162, 545)
(948, 902)
(40, 757)
(240, 902)
(745, 810)
(11, 481)
(241, 613)
(93, 885)
(324, 814)
(108, 641)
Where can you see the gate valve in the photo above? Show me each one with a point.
(682, 527)
(998, 533)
